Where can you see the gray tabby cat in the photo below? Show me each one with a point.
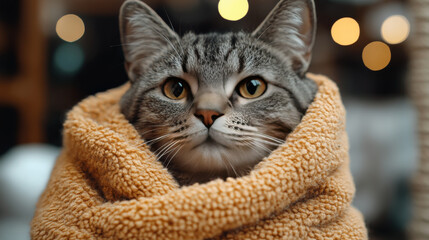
(214, 105)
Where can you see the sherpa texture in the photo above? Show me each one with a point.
(108, 185)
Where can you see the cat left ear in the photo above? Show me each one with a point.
(291, 28)
(143, 34)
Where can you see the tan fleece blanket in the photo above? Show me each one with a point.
(108, 185)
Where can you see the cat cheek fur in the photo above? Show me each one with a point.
(244, 131)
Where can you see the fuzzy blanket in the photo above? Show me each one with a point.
(108, 185)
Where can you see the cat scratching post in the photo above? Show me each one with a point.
(419, 89)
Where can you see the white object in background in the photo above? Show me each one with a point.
(383, 152)
(24, 173)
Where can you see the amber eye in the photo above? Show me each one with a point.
(175, 88)
(252, 87)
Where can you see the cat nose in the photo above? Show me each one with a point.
(207, 116)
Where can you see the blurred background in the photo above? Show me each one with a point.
(54, 53)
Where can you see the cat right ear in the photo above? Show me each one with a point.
(143, 34)
(291, 28)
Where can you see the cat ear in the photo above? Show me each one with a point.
(291, 28)
(143, 34)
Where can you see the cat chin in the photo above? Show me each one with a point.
(211, 157)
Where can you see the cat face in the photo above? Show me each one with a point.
(217, 104)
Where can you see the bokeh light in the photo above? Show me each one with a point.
(345, 31)
(69, 58)
(233, 10)
(395, 29)
(376, 56)
(70, 28)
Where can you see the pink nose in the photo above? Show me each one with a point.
(207, 116)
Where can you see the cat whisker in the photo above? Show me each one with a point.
(154, 128)
(171, 158)
(256, 149)
(172, 148)
(254, 134)
(150, 142)
(226, 166)
(261, 146)
(172, 27)
(155, 140)
(169, 42)
(232, 167)
(248, 128)
(166, 149)
(155, 153)
(260, 35)
(161, 148)
(273, 139)
(168, 17)
(250, 138)
(268, 142)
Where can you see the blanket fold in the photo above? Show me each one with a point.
(107, 184)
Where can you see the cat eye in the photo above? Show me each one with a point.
(175, 88)
(252, 87)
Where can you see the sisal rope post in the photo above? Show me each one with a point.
(419, 90)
